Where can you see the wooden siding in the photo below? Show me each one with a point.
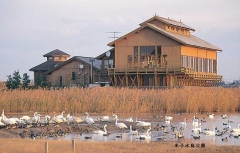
(158, 23)
(145, 37)
(196, 52)
(173, 56)
(66, 73)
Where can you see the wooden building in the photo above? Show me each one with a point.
(61, 71)
(161, 52)
(54, 58)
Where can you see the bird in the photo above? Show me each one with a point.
(101, 132)
(105, 118)
(225, 139)
(88, 137)
(25, 118)
(142, 123)
(168, 117)
(208, 132)
(195, 121)
(211, 115)
(224, 116)
(145, 137)
(130, 119)
(183, 123)
(119, 125)
(88, 119)
(196, 137)
(167, 121)
(133, 132)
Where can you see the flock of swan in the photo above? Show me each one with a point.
(166, 126)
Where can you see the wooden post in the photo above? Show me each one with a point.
(46, 147)
(73, 145)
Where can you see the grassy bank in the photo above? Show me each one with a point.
(122, 100)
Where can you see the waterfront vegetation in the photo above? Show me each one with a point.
(38, 146)
(122, 100)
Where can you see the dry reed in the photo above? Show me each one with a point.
(38, 146)
(122, 100)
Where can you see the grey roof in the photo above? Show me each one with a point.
(96, 63)
(56, 52)
(186, 40)
(46, 66)
(168, 21)
(85, 60)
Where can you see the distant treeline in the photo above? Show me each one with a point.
(122, 100)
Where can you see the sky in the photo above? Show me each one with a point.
(31, 28)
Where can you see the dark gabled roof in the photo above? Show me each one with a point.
(104, 54)
(84, 60)
(56, 52)
(182, 39)
(46, 66)
(168, 22)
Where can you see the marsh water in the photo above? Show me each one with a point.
(159, 119)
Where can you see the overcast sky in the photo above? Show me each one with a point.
(31, 28)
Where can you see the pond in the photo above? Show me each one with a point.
(158, 120)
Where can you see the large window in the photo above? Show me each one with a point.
(108, 63)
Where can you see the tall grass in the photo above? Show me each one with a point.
(38, 146)
(122, 100)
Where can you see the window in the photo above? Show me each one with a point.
(73, 75)
(184, 61)
(50, 58)
(108, 63)
(199, 64)
(135, 54)
(56, 58)
(147, 55)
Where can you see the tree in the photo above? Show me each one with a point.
(16, 80)
(26, 81)
(44, 83)
(38, 80)
(9, 82)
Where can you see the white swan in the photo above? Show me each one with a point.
(236, 131)
(195, 121)
(167, 121)
(133, 132)
(211, 116)
(89, 120)
(103, 119)
(101, 132)
(25, 118)
(145, 137)
(142, 123)
(168, 117)
(8, 121)
(119, 125)
(183, 123)
(197, 129)
(130, 119)
(208, 132)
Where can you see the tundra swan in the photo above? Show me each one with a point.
(208, 132)
(168, 117)
(211, 115)
(133, 132)
(183, 123)
(89, 120)
(195, 121)
(145, 137)
(119, 125)
(130, 119)
(101, 132)
(142, 123)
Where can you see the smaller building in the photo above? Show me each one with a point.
(61, 71)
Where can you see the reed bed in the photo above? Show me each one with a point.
(38, 146)
(122, 100)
